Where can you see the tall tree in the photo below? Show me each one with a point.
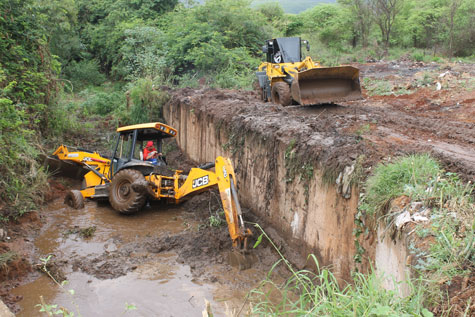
(363, 16)
(385, 12)
(452, 11)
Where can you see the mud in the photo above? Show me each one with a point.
(165, 258)
(174, 257)
(422, 119)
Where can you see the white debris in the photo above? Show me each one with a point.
(417, 217)
(438, 86)
(406, 217)
(295, 224)
(443, 74)
(402, 219)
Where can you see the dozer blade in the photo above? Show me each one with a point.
(326, 85)
(242, 260)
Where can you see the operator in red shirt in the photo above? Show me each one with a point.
(150, 152)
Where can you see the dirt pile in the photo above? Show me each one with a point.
(404, 111)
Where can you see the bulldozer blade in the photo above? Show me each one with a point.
(241, 260)
(326, 85)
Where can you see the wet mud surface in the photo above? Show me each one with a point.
(166, 260)
(402, 112)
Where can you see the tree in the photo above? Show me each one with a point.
(363, 15)
(385, 12)
(452, 11)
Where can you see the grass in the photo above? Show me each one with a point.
(319, 293)
(380, 87)
(7, 257)
(450, 205)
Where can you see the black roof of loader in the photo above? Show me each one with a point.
(289, 47)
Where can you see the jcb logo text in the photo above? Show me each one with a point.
(202, 181)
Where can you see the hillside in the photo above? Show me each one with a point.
(294, 6)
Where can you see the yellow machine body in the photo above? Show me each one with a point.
(157, 186)
(306, 81)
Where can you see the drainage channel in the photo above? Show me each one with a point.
(111, 261)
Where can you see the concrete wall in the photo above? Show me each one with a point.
(311, 216)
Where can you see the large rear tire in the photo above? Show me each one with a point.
(122, 196)
(74, 199)
(281, 94)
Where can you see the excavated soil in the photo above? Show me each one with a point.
(402, 112)
(170, 251)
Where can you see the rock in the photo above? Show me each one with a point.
(402, 219)
(343, 181)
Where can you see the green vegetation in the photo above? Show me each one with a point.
(7, 257)
(319, 293)
(448, 205)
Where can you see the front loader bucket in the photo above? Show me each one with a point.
(326, 85)
(65, 168)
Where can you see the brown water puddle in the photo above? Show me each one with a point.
(156, 283)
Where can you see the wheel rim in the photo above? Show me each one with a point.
(123, 190)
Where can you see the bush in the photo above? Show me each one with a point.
(145, 103)
(448, 204)
(102, 103)
(84, 73)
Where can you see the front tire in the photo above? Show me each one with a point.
(122, 196)
(281, 94)
(74, 199)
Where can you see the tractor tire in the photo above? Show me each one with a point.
(122, 196)
(281, 94)
(74, 199)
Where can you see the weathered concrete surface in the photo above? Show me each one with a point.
(4, 311)
(391, 261)
(309, 214)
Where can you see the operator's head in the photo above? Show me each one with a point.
(149, 144)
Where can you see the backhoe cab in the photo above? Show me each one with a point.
(286, 77)
(127, 180)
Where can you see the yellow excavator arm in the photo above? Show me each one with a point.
(172, 188)
(199, 179)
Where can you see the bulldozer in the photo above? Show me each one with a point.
(127, 181)
(287, 78)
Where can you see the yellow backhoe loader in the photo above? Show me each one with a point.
(127, 180)
(286, 78)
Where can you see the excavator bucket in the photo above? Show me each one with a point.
(326, 85)
(242, 260)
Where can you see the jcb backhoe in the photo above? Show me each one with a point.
(286, 78)
(127, 180)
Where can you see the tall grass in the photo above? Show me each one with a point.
(448, 205)
(318, 293)
(405, 176)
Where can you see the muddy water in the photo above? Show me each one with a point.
(156, 284)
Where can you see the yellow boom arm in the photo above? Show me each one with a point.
(173, 188)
